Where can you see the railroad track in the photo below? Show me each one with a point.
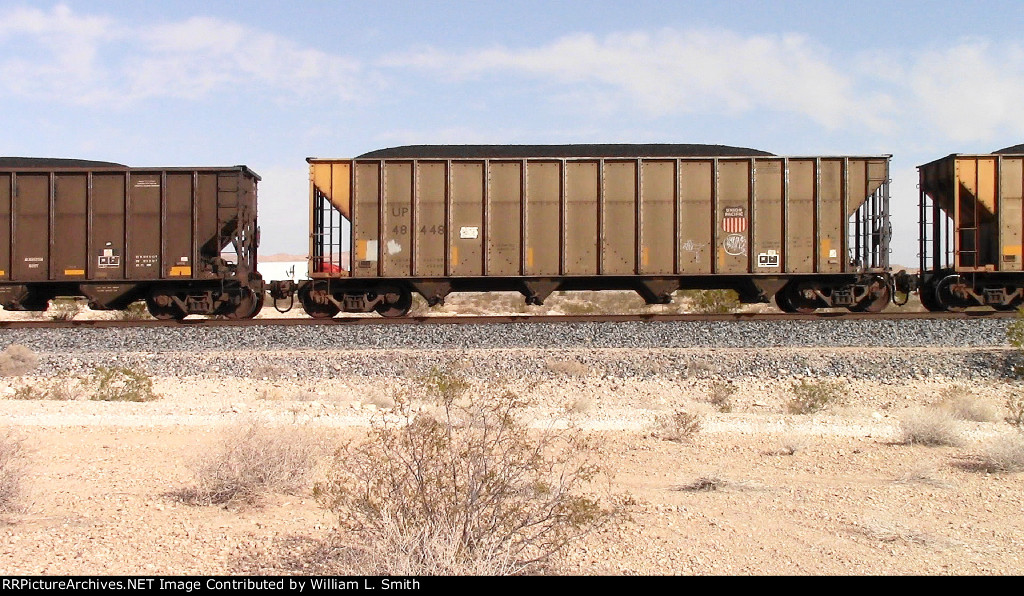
(502, 319)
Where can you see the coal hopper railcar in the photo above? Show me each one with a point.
(810, 232)
(971, 220)
(182, 239)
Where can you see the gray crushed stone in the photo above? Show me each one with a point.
(974, 348)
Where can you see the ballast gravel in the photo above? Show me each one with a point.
(978, 332)
(975, 348)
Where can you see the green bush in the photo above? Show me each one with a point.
(120, 383)
(810, 396)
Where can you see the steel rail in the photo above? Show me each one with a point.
(502, 319)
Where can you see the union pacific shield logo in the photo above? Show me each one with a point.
(734, 220)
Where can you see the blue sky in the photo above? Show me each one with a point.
(267, 84)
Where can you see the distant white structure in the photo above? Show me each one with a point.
(281, 270)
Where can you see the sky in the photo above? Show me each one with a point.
(267, 84)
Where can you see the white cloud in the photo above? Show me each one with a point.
(81, 59)
(683, 72)
(965, 91)
(971, 91)
(61, 58)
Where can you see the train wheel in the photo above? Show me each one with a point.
(878, 302)
(248, 307)
(793, 297)
(314, 298)
(928, 299)
(163, 307)
(783, 302)
(399, 306)
(946, 296)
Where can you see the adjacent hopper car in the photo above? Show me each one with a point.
(809, 231)
(971, 219)
(182, 239)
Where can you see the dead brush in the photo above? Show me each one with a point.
(964, 405)
(720, 395)
(253, 460)
(136, 311)
(679, 426)
(1015, 411)
(467, 490)
(13, 469)
(16, 360)
(60, 389)
(63, 309)
(932, 426)
(571, 368)
(1004, 454)
(711, 301)
(442, 386)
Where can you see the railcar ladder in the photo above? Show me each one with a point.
(328, 224)
(870, 233)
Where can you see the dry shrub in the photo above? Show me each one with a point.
(60, 389)
(136, 311)
(582, 405)
(380, 400)
(703, 484)
(440, 386)
(13, 466)
(964, 405)
(712, 301)
(252, 461)
(930, 426)
(120, 383)
(679, 426)
(17, 360)
(810, 396)
(790, 444)
(63, 309)
(1005, 454)
(268, 371)
(720, 395)
(467, 491)
(572, 368)
(1015, 409)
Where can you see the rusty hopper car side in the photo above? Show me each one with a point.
(971, 216)
(810, 231)
(116, 234)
